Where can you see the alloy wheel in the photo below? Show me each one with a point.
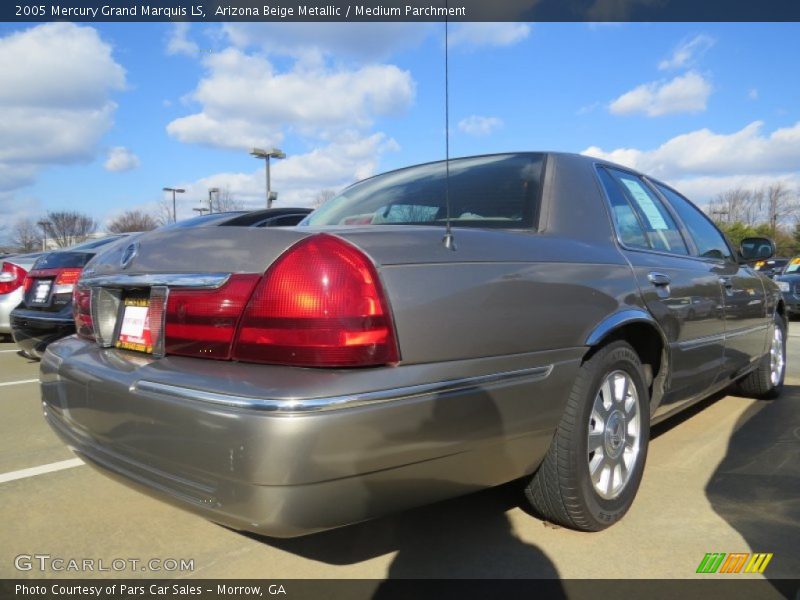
(614, 434)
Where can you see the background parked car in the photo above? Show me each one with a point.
(46, 312)
(13, 270)
(771, 266)
(789, 283)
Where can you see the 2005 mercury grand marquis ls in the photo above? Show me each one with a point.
(292, 380)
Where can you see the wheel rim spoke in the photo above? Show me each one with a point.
(596, 440)
(621, 389)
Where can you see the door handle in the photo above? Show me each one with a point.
(727, 282)
(658, 279)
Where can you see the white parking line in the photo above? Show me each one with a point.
(4, 351)
(21, 381)
(33, 471)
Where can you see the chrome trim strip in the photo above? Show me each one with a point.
(747, 331)
(703, 341)
(183, 280)
(720, 337)
(42, 319)
(310, 405)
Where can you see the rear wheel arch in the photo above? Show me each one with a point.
(648, 341)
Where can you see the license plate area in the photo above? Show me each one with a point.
(140, 321)
(134, 328)
(40, 292)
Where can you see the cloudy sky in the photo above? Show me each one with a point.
(100, 117)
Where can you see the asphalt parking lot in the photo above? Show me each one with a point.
(723, 478)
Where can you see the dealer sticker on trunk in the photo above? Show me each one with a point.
(134, 333)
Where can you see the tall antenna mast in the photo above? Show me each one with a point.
(448, 240)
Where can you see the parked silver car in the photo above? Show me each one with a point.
(13, 270)
(292, 380)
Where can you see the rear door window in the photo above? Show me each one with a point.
(708, 239)
(640, 217)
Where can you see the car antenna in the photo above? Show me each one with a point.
(448, 240)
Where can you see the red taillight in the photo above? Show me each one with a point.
(11, 277)
(82, 312)
(203, 322)
(320, 304)
(66, 280)
(68, 276)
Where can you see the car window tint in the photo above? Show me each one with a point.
(625, 219)
(499, 191)
(709, 241)
(660, 230)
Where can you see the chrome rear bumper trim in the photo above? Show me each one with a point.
(288, 406)
(178, 280)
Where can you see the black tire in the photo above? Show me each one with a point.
(561, 491)
(759, 384)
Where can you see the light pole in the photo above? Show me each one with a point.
(720, 213)
(174, 191)
(44, 225)
(266, 155)
(210, 205)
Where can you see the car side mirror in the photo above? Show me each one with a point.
(756, 248)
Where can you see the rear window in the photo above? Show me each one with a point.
(500, 191)
(60, 260)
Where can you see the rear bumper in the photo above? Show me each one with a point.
(33, 332)
(285, 451)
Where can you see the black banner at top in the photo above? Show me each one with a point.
(400, 10)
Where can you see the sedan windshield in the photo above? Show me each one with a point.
(792, 267)
(499, 191)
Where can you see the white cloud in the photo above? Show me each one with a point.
(179, 42)
(488, 34)
(365, 41)
(55, 99)
(477, 125)
(752, 94)
(121, 159)
(246, 101)
(684, 93)
(687, 52)
(705, 152)
(299, 178)
(705, 162)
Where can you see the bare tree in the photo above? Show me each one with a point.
(163, 212)
(132, 220)
(224, 201)
(773, 204)
(322, 197)
(25, 236)
(736, 205)
(66, 228)
(780, 205)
